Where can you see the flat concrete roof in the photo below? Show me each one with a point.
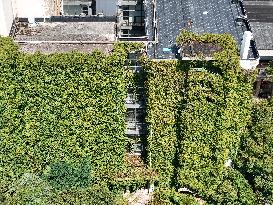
(48, 48)
(48, 37)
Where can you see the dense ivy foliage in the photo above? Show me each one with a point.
(64, 176)
(234, 189)
(255, 159)
(31, 189)
(163, 89)
(214, 114)
(62, 127)
(133, 178)
(197, 113)
(59, 109)
(199, 157)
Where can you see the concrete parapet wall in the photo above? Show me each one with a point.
(6, 17)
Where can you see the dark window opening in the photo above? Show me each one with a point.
(263, 89)
(134, 145)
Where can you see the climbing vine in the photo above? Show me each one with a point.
(255, 157)
(61, 108)
(197, 112)
(214, 115)
(163, 88)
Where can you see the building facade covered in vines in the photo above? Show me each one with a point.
(84, 25)
(134, 94)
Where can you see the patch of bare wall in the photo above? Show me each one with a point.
(53, 7)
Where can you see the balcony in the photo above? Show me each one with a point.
(135, 128)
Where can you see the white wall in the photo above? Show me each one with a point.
(6, 17)
(36, 8)
(108, 7)
(29, 8)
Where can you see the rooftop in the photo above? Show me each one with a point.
(47, 47)
(202, 16)
(48, 37)
(260, 15)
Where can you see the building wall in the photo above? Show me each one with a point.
(29, 8)
(6, 17)
(36, 8)
(107, 7)
(53, 7)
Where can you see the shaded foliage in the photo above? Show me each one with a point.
(255, 159)
(234, 189)
(63, 176)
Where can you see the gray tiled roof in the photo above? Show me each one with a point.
(260, 14)
(199, 16)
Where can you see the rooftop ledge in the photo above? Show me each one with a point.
(249, 64)
(266, 54)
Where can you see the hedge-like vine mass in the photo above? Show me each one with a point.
(196, 116)
(60, 110)
(201, 151)
(61, 107)
(255, 159)
(163, 87)
(213, 119)
(233, 189)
